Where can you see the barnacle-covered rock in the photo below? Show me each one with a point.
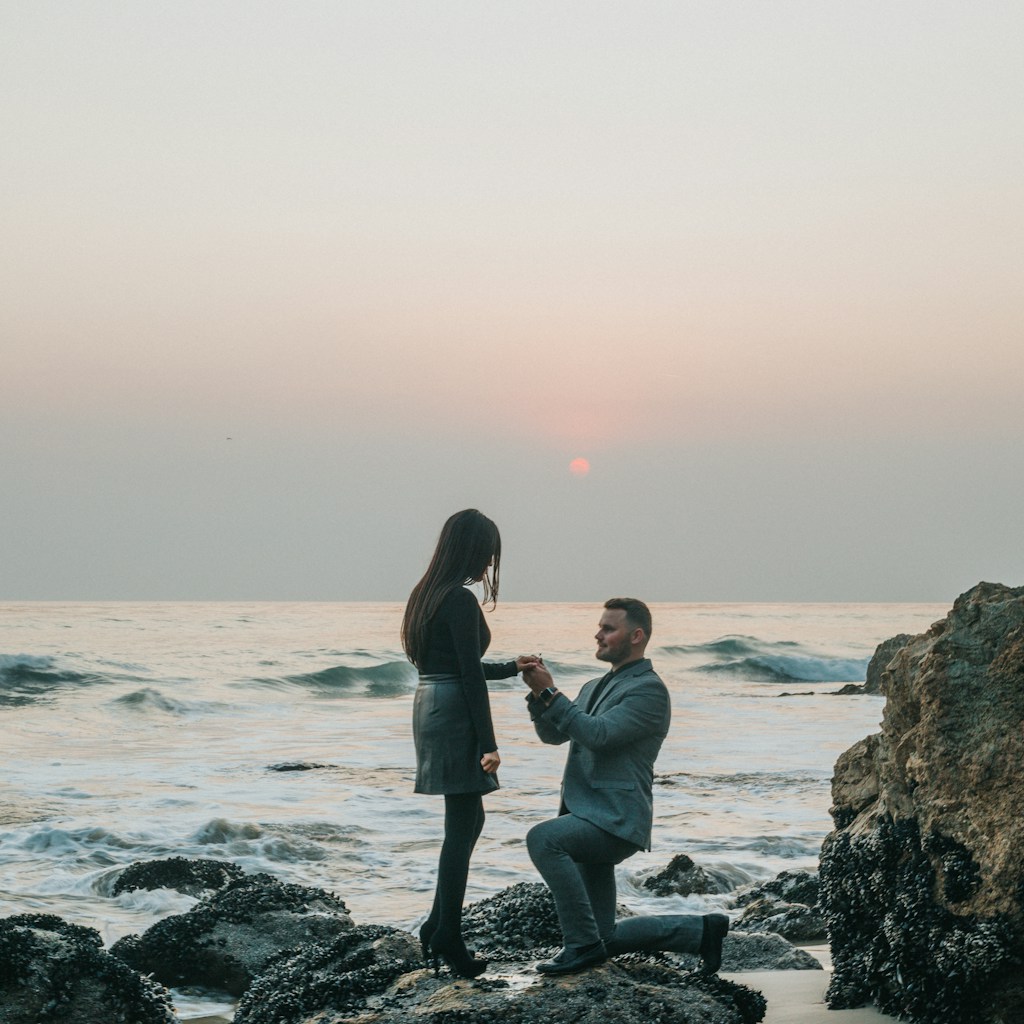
(794, 921)
(786, 905)
(646, 992)
(51, 970)
(787, 887)
(921, 879)
(225, 940)
(518, 920)
(683, 877)
(764, 951)
(190, 875)
(342, 974)
(519, 925)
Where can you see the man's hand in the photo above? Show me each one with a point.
(527, 661)
(537, 678)
(489, 762)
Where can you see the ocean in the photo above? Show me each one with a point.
(277, 735)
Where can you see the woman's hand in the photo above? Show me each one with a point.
(525, 661)
(489, 762)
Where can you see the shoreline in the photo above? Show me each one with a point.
(798, 997)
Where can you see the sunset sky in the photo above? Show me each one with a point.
(285, 284)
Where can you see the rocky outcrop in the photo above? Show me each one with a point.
(884, 653)
(683, 877)
(518, 926)
(342, 975)
(643, 992)
(188, 875)
(516, 922)
(227, 939)
(786, 887)
(786, 905)
(51, 970)
(793, 921)
(923, 877)
(761, 951)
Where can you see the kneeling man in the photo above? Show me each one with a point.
(615, 728)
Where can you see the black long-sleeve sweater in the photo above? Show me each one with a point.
(457, 639)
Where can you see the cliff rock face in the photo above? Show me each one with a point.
(922, 881)
(884, 653)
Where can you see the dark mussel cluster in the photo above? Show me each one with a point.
(893, 943)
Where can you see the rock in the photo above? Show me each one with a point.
(855, 782)
(793, 921)
(51, 970)
(922, 877)
(518, 920)
(341, 974)
(191, 876)
(786, 905)
(636, 993)
(884, 653)
(764, 951)
(789, 886)
(519, 925)
(296, 766)
(684, 877)
(225, 940)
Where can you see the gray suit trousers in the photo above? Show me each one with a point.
(577, 860)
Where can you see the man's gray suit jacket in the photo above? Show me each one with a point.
(609, 773)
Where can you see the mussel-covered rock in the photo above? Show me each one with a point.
(786, 905)
(189, 875)
(225, 940)
(518, 920)
(786, 887)
(634, 993)
(342, 975)
(921, 878)
(51, 970)
(683, 877)
(764, 951)
(793, 921)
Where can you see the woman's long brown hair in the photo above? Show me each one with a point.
(468, 549)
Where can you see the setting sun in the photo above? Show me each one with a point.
(579, 467)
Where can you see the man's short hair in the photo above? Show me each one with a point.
(638, 615)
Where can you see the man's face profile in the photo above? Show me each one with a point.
(613, 637)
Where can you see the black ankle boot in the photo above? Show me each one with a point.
(715, 928)
(426, 934)
(457, 957)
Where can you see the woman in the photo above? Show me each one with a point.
(444, 635)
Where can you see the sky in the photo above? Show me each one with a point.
(286, 284)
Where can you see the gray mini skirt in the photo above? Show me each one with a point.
(447, 751)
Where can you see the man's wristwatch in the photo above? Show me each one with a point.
(548, 695)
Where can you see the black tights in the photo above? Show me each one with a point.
(463, 822)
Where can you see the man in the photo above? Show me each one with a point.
(615, 728)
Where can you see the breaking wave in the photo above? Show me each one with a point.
(769, 661)
(386, 680)
(28, 677)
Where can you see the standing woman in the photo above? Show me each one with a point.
(445, 636)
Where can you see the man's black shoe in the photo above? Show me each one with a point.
(715, 928)
(573, 959)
